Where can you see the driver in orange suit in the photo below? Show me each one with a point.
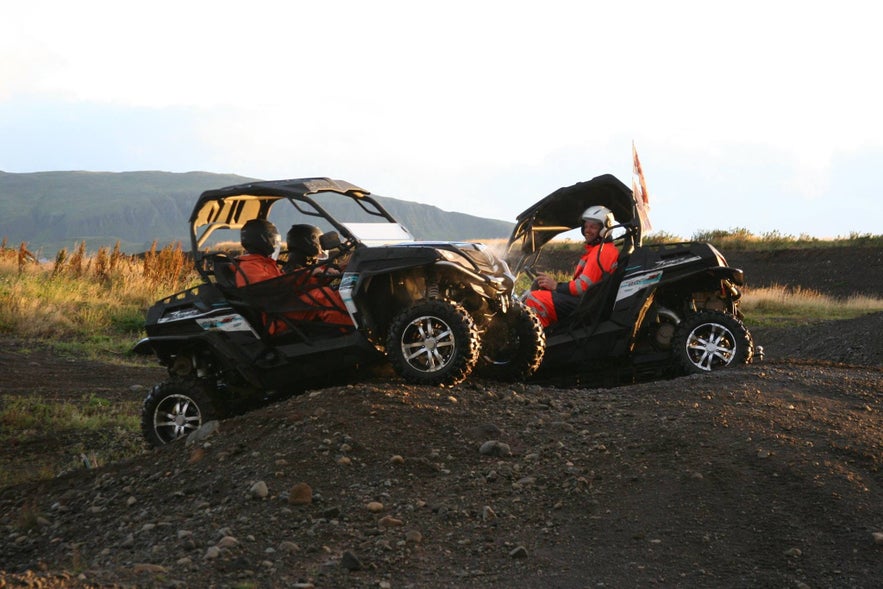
(553, 301)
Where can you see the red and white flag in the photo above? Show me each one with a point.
(639, 189)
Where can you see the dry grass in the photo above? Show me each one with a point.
(782, 305)
(82, 297)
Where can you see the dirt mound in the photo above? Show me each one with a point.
(763, 476)
(856, 341)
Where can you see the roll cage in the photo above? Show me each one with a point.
(229, 208)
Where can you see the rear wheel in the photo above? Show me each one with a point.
(711, 340)
(173, 410)
(513, 346)
(433, 342)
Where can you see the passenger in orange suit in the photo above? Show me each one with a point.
(304, 250)
(262, 243)
(553, 301)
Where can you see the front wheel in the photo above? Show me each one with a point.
(434, 343)
(711, 340)
(513, 346)
(173, 410)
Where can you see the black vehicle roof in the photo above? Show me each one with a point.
(564, 206)
(561, 211)
(295, 187)
(232, 206)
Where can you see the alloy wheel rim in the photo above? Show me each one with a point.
(711, 346)
(428, 344)
(176, 416)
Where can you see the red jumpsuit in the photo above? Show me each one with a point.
(253, 268)
(332, 308)
(552, 306)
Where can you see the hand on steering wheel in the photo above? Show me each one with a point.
(328, 271)
(546, 282)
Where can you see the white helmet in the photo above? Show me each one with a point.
(601, 215)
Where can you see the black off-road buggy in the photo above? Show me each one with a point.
(666, 310)
(431, 310)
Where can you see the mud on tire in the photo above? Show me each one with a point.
(433, 343)
(173, 410)
(711, 340)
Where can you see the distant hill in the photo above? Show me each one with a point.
(52, 210)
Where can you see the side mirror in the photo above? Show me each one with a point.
(330, 240)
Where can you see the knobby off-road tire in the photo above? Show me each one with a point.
(173, 410)
(711, 340)
(433, 343)
(513, 346)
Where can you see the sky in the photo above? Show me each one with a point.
(759, 115)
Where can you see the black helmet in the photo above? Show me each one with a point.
(259, 236)
(304, 240)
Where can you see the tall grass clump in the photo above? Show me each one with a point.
(776, 306)
(82, 298)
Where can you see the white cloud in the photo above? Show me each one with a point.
(452, 102)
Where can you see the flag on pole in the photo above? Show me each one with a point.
(639, 189)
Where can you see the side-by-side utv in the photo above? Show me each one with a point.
(666, 309)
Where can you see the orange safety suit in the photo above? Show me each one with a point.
(332, 309)
(552, 306)
(251, 268)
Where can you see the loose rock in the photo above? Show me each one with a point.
(350, 561)
(494, 448)
(259, 490)
(300, 494)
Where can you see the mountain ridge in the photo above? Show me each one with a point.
(58, 209)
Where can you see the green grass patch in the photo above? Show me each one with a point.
(58, 436)
(26, 415)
